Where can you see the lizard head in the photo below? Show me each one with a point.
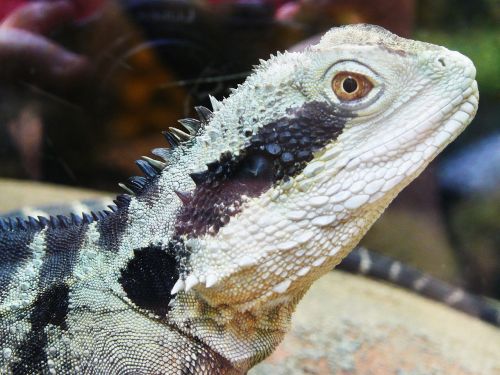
(305, 156)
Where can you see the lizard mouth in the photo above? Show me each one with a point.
(448, 122)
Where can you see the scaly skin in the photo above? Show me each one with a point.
(200, 271)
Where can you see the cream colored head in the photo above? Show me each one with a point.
(384, 106)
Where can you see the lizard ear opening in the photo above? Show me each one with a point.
(349, 86)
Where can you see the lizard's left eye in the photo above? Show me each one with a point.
(351, 86)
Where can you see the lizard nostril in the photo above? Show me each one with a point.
(441, 61)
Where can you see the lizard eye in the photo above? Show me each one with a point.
(350, 86)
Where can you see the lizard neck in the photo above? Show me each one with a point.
(243, 337)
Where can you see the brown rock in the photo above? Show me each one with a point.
(350, 325)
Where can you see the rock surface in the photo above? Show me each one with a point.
(15, 194)
(347, 324)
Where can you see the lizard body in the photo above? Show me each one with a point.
(199, 269)
(359, 261)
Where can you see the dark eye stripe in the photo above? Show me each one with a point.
(280, 150)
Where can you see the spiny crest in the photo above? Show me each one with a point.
(365, 34)
(216, 105)
(151, 168)
(61, 221)
(264, 64)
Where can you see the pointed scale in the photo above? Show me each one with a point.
(191, 125)
(172, 141)
(147, 168)
(164, 153)
(179, 134)
(204, 114)
(159, 165)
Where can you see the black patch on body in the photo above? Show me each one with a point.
(111, 229)
(62, 247)
(14, 252)
(149, 277)
(50, 307)
(279, 150)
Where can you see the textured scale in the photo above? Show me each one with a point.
(198, 268)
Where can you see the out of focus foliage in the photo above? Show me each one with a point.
(457, 14)
(481, 45)
(472, 27)
(476, 232)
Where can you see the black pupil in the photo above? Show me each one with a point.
(349, 85)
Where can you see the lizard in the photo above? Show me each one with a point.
(360, 261)
(198, 269)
